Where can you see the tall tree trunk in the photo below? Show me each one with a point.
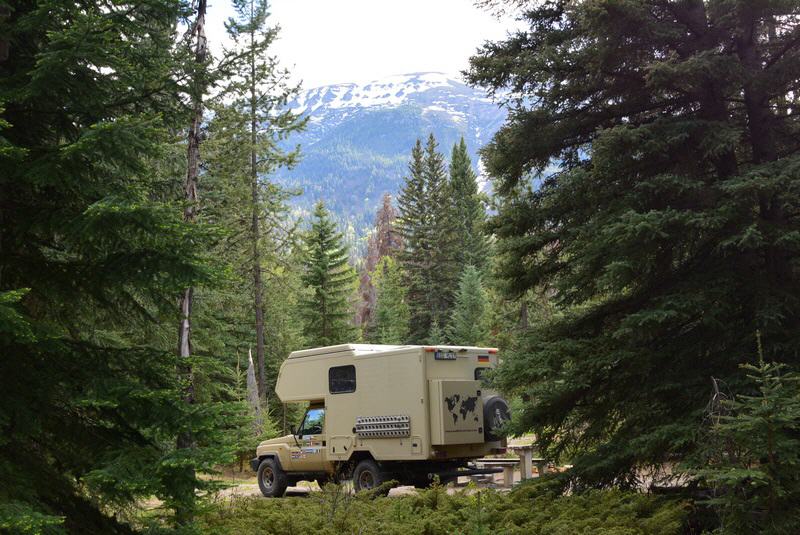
(185, 440)
(255, 230)
(761, 126)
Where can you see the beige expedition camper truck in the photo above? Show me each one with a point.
(380, 412)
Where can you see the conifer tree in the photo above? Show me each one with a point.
(430, 231)
(436, 334)
(468, 322)
(667, 232)
(198, 85)
(748, 458)
(329, 282)
(253, 118)
(391, 309)
(468, 210)
(414, 226)
(93, 253)
(444, 243)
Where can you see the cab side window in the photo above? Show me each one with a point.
(342, 379)
(313, 423)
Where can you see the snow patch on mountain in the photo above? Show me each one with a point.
(391, 91)
(359, 137)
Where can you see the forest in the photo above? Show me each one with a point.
(635, 260)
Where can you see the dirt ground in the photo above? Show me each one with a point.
(248, 487)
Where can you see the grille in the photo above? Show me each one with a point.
(383, 426)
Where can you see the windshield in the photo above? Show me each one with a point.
(314, 422)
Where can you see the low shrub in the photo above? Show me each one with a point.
(526, 510)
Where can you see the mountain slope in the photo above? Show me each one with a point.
(360, 136)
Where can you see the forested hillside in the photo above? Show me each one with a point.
(350, 156)
(633, 264)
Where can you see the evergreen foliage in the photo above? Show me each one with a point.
(750, 455)
(391, 309)
(526, 510)
(414, 227)
(468, 323)
(253, 118)
(443, 269)
(468, 210)
(668, 231)
(430, 230)
(93, 256)
(329, 282)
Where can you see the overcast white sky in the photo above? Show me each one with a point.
(336, 41)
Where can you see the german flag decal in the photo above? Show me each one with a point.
(483, 358)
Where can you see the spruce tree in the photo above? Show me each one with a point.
(253, 117)
(665, 233)
(468, 210)
(94, 254)
(430, 230)
(468, 322)
(329, 282)
(444, 243)
(414, 226)
(748, 458)
(391, 309)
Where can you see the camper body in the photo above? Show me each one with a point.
(379, 412)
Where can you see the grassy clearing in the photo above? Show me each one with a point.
(526, 510)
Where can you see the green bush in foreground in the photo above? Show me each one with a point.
(525, 511)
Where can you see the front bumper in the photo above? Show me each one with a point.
(254, 462)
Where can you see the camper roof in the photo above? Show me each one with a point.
(364, 349)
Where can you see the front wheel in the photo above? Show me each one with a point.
(271, 478)
(367, 475)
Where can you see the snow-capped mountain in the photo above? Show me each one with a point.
(359, 137)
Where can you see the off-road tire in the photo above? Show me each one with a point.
(495, 415)
(271, 478)
(367, 475)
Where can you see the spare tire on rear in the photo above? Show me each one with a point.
(495, 415)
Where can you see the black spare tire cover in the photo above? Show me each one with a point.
(495, 414)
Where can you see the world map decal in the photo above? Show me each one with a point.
(461, 406)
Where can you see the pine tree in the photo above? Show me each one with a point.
(391, 309)
(329, 281)
(252, 116)
(468, 210)
(468, 322)
(648, 179)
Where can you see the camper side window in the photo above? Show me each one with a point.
(342, 379)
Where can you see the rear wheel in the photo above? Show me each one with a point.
(271, 478)
(367, 475)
